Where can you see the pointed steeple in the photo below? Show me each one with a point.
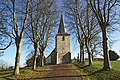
(61, 26)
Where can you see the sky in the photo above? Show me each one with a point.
(10, 53)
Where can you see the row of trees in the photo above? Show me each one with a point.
(42, 22)
(32, 21)
(88, 19)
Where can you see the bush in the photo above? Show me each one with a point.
(113, 55)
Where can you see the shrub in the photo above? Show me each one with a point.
(113, 55)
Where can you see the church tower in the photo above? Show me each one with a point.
(63, 44)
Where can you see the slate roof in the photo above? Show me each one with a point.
(61, 26)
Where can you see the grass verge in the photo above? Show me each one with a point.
(95, 72)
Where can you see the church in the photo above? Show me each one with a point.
(61, 53)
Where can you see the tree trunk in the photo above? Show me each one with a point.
(107, 65)
(42, 59)
(35, 55)
(83, 59)
(92, 56)
(81, 53)
(89, 56)
(17, 59)
(89, 52)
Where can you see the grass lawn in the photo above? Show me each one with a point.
(95, 72)
(25, 73)
(92, 72)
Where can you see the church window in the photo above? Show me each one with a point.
(63, 38)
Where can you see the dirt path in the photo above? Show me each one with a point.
(60, 72)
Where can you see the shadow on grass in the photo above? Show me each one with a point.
(97, 71)
(6, 76)
(83, 66)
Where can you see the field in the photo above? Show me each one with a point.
(84, 72)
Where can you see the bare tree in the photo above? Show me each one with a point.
(105, 13)
(96, 46)
(84, 21)
(47, 28)
(5, 38)
(88, 27)
(19, 35)
(4, 64)
(14, 15)
(42, 22)
(32, 29)
(72, 23)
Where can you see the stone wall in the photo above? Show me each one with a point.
(51, 59)
(63, 46)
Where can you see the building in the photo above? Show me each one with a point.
(61, 54)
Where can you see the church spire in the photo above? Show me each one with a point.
(61, 26)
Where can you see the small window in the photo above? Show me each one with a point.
(63, 38)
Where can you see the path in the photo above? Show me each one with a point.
(60, 72)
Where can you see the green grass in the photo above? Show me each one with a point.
(92, 72)
(79, 71)
(4, 74)
(24, 73)
(95, 71)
